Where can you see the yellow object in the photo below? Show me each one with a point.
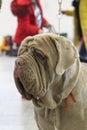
(3, 46)
(83, 19)
(72, 13)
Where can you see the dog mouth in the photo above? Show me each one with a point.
(28, 81)
(21, 89)
(36, 99)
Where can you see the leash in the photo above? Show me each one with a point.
(59, 14)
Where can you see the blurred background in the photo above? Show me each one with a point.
(8, 22)
(17, 113)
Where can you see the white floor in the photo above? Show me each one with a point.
(15, 113)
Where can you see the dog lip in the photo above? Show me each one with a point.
(38, 102)
(21, 89)
(36, 99)
(28, 95)
(23, 92)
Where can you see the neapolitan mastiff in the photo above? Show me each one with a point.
(48, 72)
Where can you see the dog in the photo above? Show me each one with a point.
(48, 72)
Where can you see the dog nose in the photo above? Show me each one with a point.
(19, 63)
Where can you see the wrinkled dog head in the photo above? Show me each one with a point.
(40, 64)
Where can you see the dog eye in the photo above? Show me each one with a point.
(39, 54)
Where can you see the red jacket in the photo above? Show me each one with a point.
(26, 20)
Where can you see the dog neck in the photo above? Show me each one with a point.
(63, 85)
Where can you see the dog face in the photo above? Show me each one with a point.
(41, 62)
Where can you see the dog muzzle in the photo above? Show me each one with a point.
(28, 79)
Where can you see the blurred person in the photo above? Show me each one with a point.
(81, 15)
(0, 3)
(30, 20)
(71, 13)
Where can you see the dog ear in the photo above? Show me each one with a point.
(68, 64)
(67, 53)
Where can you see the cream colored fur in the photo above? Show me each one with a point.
(56, 71)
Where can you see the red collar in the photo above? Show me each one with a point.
(66, 101)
